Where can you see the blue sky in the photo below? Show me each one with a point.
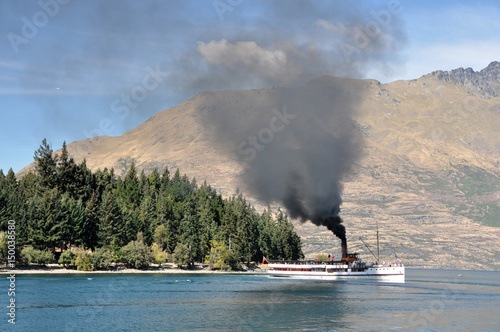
(75, 69)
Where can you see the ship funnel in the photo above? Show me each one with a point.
(344, 247)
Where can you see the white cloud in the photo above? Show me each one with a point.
(328, 26)
(271, 63)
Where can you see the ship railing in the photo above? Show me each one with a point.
(392, 264)
(304, 262)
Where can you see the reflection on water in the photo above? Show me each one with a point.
(297, 305)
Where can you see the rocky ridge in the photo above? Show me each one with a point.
(484, 83)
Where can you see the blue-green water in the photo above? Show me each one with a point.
(430, 300)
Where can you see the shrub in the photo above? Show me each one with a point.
(136, 254)
(83, 260)
(102, 258)
(160, 236)
(220, 257)
(116, 251)
(159, 255)
(182, 255)
(67, 259)
(46, 257)
(35, 256)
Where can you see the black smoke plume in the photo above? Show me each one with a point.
(300, 164)
(298, 142)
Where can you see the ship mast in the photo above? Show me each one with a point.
(378, 247)
(371, 252)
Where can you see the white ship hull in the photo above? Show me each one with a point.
(383, 273)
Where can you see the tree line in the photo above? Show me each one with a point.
(63, 205)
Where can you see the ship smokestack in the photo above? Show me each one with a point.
(334, 223)
(344, 247)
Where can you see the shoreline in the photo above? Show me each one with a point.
(162, 270)
(168, 270)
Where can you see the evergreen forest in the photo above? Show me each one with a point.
(66, 213)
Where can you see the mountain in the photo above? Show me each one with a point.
(429, 171)
(485, 83)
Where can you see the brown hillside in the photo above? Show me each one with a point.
(429, 172)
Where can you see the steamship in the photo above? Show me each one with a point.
(349, 267)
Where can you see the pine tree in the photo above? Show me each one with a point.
(66, 169)
(83, 184)
(10, 200)
(143, 184)
(73, 214)
(146, 218)
(207, 226)
(246, 230)
(130, 191)
(168, 215)
(104, 181)
(46, 165)
(50, 225)
(3, 202)
(268, 231)
(88, 229)
(29, 186)
(190, 232)
(31, 220)
(131, 226)
(175, 186)
(110, 228)
(227, 227)
(288, 241)
(165, 181)
(154, 180)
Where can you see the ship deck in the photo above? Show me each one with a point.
(334, 270)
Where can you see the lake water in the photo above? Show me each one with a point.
(430, 300)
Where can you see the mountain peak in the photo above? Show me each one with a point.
(484, 83)
(492, 71)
